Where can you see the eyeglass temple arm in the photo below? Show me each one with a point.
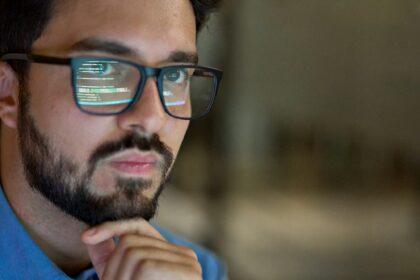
(36, 58)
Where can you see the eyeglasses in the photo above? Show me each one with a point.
(108, 86)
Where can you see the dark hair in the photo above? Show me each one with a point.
(22, 22)
(202, 10)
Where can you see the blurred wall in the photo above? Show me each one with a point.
(346, 67)
(309, 165)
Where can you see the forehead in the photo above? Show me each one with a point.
(152, 28)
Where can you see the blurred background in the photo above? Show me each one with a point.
(309, 165)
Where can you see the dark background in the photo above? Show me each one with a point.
(309, 165)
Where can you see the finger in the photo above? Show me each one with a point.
(99, 242)
(128, 241)
(100, 254)
(110, 229)
(131, 240)
(157, 269)
(134, 255)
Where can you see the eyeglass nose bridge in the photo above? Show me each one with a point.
(148, 72)
(152, 72)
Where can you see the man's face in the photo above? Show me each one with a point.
(99, 168)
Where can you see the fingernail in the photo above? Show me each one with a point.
(91, 232)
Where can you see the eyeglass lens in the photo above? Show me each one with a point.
(109, 86)
(105, 86)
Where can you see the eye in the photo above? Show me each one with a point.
(107, 68)
(176, 75)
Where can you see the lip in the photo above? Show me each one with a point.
(134, 164)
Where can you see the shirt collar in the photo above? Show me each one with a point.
(21, 257)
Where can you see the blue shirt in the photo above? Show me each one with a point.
(22, 258)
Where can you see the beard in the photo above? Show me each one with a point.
(69, 186)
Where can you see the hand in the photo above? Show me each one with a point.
(141, 254)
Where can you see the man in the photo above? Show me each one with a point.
(95, 100)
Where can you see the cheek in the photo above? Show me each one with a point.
(50, 92)
(57, 117)
(175, 132)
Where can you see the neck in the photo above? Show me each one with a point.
(55, 232)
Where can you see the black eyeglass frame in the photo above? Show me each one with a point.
(146, 72)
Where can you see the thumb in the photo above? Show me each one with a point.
(100, 253)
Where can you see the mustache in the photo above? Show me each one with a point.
(132, 141)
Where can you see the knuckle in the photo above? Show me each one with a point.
(198, 268)
(125, 241)
(195, 266)
(193, 271)
(189, 252)
(132, 252)
(128, 225)
(146, 265)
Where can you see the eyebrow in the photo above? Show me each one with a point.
(117, 48)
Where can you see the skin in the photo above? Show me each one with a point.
(153, 30)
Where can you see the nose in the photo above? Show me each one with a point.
(147, 115)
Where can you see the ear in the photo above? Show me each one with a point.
(9, 91)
